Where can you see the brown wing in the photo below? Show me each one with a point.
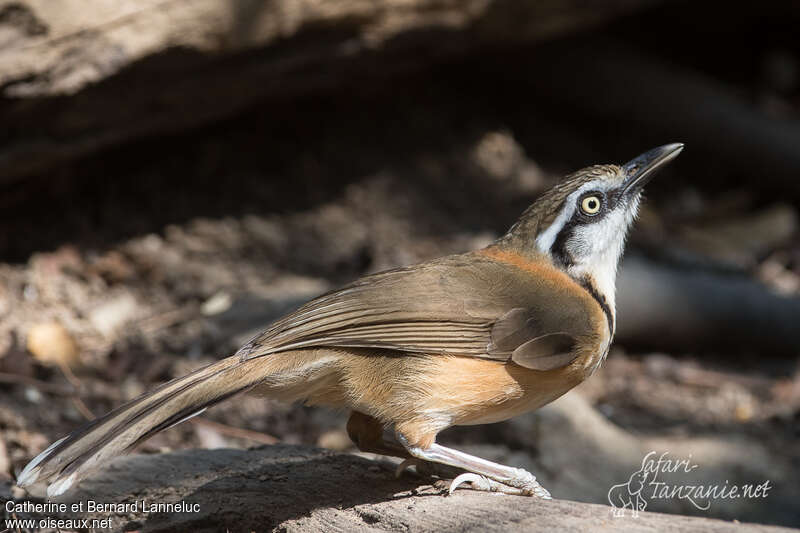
(466, 305)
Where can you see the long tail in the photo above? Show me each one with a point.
(71, 458)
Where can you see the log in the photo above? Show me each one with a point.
(78, 76)
(576, 452)
(672, 309)
(300, 489)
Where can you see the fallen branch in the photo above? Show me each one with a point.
(667, 309)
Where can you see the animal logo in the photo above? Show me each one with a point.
(628, 495)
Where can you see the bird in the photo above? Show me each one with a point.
(466, 339)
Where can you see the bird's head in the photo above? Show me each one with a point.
(581, 223)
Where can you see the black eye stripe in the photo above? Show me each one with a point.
(559, 249)
(608, 202)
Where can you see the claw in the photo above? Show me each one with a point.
(481, 474)
(478, 482)
(530, 487)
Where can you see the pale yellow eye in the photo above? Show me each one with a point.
(590, 205)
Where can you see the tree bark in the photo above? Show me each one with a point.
(298, 489)
(78, 76)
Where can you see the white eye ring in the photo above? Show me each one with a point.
(591, 205)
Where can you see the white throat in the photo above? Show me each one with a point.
(594, 248)
(603, 274)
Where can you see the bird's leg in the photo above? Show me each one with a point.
(481, 474)
(366, 432)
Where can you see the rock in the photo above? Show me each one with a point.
(51, 344)
(218, 303)
(109, 317)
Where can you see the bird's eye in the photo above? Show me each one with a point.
(591, 205)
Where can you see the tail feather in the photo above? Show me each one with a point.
(73, 457)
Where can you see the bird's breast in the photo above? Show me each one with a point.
(469, 390)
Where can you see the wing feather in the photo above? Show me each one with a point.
(466, 305)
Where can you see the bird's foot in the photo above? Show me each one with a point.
(524, 485)
(480, 473)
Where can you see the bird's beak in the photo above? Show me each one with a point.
(640, 170)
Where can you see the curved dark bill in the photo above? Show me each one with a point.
(640, 170)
